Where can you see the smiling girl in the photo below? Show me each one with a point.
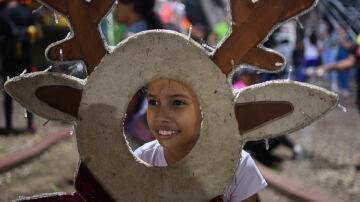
(174, 118)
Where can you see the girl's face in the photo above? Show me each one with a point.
(174, 115)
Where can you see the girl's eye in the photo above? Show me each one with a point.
(179, 103)
(152, 102)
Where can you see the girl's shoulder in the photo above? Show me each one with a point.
(152, 153)
(147, 147)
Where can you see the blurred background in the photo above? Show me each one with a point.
(323, 158)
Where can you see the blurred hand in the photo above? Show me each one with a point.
(310, 71)
(316, 71)
(320, 71)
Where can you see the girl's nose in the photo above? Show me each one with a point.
(163, 114)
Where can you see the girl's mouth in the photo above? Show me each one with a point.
(165, 134)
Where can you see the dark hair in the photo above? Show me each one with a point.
(313, 38)
(146, 9)
(330, 27)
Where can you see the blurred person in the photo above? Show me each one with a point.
(328, 52)
(244, 77)
(311, 54)
(219, 32)
(221, 28)
(196, 16)
(351, 61)
(19, 28)
(137, 15)
(167, 14)
(345, 43)
(262, 150)
(298, 58)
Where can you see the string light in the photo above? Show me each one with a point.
(267, 144)
(48, 69)
(207, 47)
(23, 72)
(61, 55)
(299, 23)
(56, 18)
(233, 64)
(290, 71)
(189, 34)
(25, 113)
(37, 9)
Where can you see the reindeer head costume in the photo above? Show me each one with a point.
(97, 105)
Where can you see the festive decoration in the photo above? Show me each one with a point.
(84, 18)
(108, 169)
(251, 23)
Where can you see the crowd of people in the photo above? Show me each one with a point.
(18, 31)
(331, 46)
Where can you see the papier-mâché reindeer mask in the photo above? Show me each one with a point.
(97, 106)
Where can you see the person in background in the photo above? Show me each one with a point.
(167, 14)
(311, 54)
(196, 16)
(218, 33)
(298, 58)
(328, 52)
(351, 61)
(19, 29)
(345, 43)
(137, 15)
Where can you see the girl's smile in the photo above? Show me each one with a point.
(167, 133)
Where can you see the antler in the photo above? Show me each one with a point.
(87, 43)
(252, 22)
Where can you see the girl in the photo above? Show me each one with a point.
(174, 118)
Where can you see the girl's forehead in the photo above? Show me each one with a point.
(170, 86)
(167, 84)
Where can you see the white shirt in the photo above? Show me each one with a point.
(311, 51)
(247, 181)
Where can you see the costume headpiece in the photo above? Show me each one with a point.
(97, 105)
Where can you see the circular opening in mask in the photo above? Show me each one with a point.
(163, 122)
